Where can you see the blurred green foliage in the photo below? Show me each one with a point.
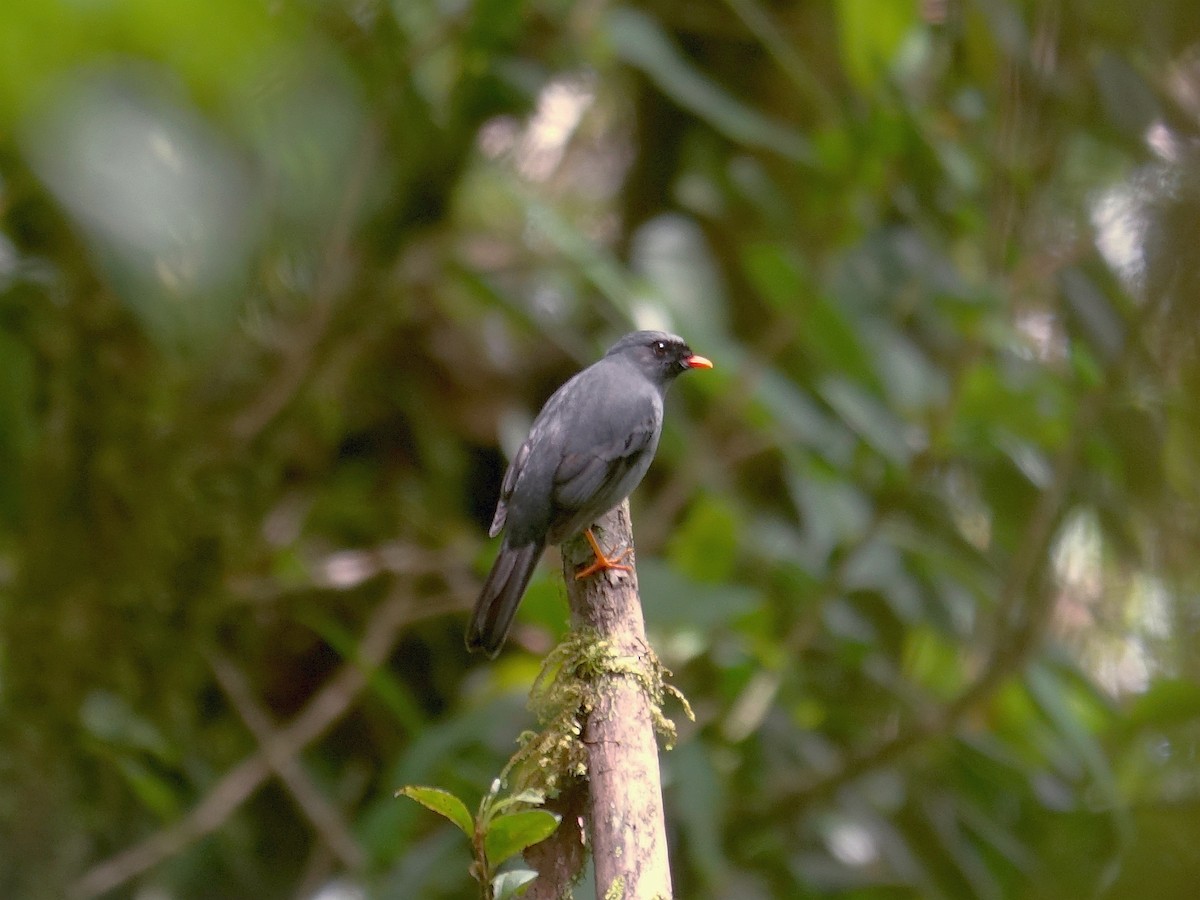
(281, 283)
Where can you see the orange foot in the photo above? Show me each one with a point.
(603, 561)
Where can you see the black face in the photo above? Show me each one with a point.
(660, 355)
(671, 355)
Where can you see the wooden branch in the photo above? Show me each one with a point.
(626, 824)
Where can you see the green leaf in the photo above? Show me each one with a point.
(110, 718)
(907, 376)
(443, 803)
(532, 796)
(705, 545)
(156, 792)
(1052, 694)
(1098, 321)
(1170, 703)
(640, 41)
(673, 600)
(778, 273)
(512, 883)
(931, 660)
(389, 689)
(703, 806)
(876, 565)
(799, 420)
(869, 417)
(835, 336)
(598, 267)
(833, 509)
(871, 33)
(510, 834)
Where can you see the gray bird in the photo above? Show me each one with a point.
(587, 450)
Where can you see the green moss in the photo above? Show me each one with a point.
(616, 890)
(565, 694)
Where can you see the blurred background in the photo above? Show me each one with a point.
(282, 284)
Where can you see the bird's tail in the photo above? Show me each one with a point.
(501, 595)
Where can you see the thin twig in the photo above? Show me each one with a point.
(329, 704)
(285, 762)
(219, 804)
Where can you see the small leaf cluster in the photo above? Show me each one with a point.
(502, 827)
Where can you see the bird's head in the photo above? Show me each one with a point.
(660, 355)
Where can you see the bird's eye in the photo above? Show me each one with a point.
(660, 348)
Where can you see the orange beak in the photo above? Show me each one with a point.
(698, 362)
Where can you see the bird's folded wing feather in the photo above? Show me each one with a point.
(581, 476)
(507, 486)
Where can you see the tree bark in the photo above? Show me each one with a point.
(627, 827)
(560, 858)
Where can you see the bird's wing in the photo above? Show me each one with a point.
(582, 476)
(507, 486)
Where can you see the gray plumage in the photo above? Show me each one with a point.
(588, 448)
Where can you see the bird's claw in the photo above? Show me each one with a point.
(603, 560)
